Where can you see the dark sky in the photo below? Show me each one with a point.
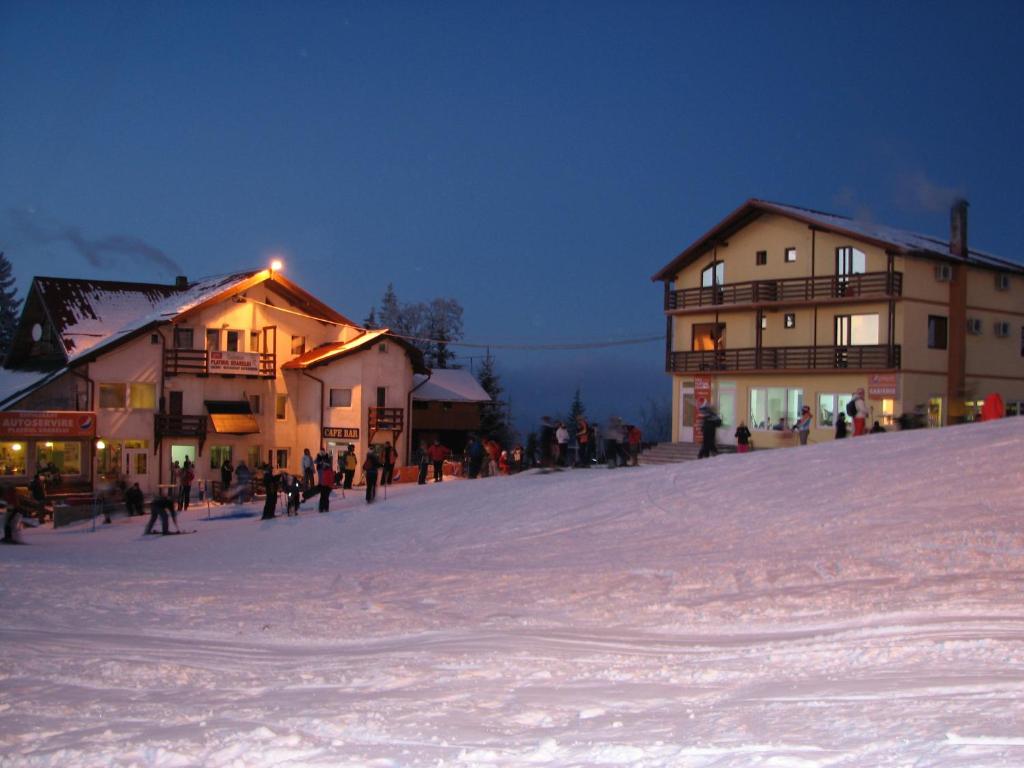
(537, 161)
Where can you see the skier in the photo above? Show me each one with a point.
(159, 508)
(710, 422)
(438, 453)
(370, 466)
(860, 413)
(270, 488)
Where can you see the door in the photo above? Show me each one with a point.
(175, 403)
(842, 340)
(687, 411)
(849, 261)
(382, 396)
(136, 466)
(726, 434)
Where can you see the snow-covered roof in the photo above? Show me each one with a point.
(890, 238)
(15, 384)
(327, 353)
(449, 385)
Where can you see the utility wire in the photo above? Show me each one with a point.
(475, 345)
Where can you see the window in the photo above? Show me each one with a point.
(66, 457)
(829, 405)
(850, 261)
(382, 348)
(713, 274)
(109, 460)
(254, 341)
(938, 331)
(182, 338)
(111, 395)
(142, 395)
(254, 403)
(974, 326)
(863, 330)
(791, 254)
(12, 458)
(233, 341)
(789, 321)
(341, 398)
(281, 458)
(281, 407)
(708, 337)
(253, 458)
(298, 345)
(1002, 282)
(217, 455)
(774, 407)
(213, 339)
(762, 258)
(1002, 329)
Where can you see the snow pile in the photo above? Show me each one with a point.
(856, 603)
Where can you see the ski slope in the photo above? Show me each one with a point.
(856, 603)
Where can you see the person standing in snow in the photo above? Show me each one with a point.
(134, 501)
(326, 479)
(244, 477)
(226, 473)
(438, 453)
(270, 488)
(840, 425)
(860, 414)
(547, 441)
(633, 439)
(562, 445)
(803, 424)
(583, 441)
(371, 464)
(709, 423)
(11, 519)
(292, 494)
(307, 469)
(387, 463)
(185, 478)
(742, 436)
(475, 455)
(351, 462)
(612, 441)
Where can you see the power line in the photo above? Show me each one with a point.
(580, 345)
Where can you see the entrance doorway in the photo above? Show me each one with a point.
(687, 411)
(136, 466)
(726, 433)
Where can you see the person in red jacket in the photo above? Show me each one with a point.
(633, 438)
(438, 453)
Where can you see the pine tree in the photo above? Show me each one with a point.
(576, 409)
(493, 420)
(443, 326)
(9, 307)
(371, 319)
(390, 310)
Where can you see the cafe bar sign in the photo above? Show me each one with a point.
(47, 424)
(341, 433)
(243, 363)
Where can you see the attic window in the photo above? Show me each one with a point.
(382, 348)
(37, 332)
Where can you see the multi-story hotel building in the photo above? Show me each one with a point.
(127, 378)
(779, 306)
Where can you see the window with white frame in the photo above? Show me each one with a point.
(140, 395)
(791, 254)
(830, 404)
(775, 407)
(341, 398)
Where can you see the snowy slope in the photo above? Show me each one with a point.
(856, 603)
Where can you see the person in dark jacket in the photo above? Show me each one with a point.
(387, 463)
(159, 507)
(742, 438)
(475, 453)
(438, 453)
(134, 501)
(709, 423)
(270, 488)
(423, 460)
(371, 464)
(226, 473)
(326, 480)
(840, 425)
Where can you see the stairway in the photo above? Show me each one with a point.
(673, 453)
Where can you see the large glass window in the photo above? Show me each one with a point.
(217, 455)
(850, 261)
(774, 407)
(142, 395)
(713, 275)
(109, 459)
(281, 407)
(111, 395)
(829, 404)
(65, 458)
(864, 329)
(938, 331)
(12, 458)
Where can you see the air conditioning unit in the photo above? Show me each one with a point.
(1002, 329)
(974, 326)
(1002, 282)
(943, 273)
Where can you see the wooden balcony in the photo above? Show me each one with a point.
(178, 425)
(874, 357)
(880, 285)
(387, 418)
(197, 362)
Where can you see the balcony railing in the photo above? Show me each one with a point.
(197, 362)
(868, 285)
(871, 357)
(178, 425)
(387, 418)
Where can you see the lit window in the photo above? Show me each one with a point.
(281, 407)
(790, 320)
(142, 395)
(66, 458)
(791, 254)
(764, 322)
(255, 458)
(831, 404)
(281, 456)
(12, 458)
(218, 453)
(775, 407)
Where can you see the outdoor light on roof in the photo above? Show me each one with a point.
(276, 265)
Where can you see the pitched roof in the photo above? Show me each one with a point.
(892, 239)
(449, 385)
(335, 350)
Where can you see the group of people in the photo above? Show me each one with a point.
(621, 443)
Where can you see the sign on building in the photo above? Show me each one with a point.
(243, 363)
(47, 424)
(883, 386)
(341, 433)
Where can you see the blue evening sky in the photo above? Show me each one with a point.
(537, 161)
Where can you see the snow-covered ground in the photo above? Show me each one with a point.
(856, 603)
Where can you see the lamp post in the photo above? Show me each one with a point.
(99, 446)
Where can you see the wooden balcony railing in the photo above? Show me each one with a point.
(196, 362)
(868, 285)
(178, 425)
(870, 357)
(387, 418)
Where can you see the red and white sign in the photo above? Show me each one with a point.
(701, 395)
(243, 363)
(47, 424)
(883, 386)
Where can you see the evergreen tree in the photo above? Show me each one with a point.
(390, 310)
(9, 306)
(371, 319)
(576, 409)
(493, 419)
(430, 326)
(443, 326)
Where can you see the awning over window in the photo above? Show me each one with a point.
(232, 417)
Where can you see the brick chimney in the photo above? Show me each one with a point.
(958, 229)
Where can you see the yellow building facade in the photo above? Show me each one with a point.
(777, 307)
